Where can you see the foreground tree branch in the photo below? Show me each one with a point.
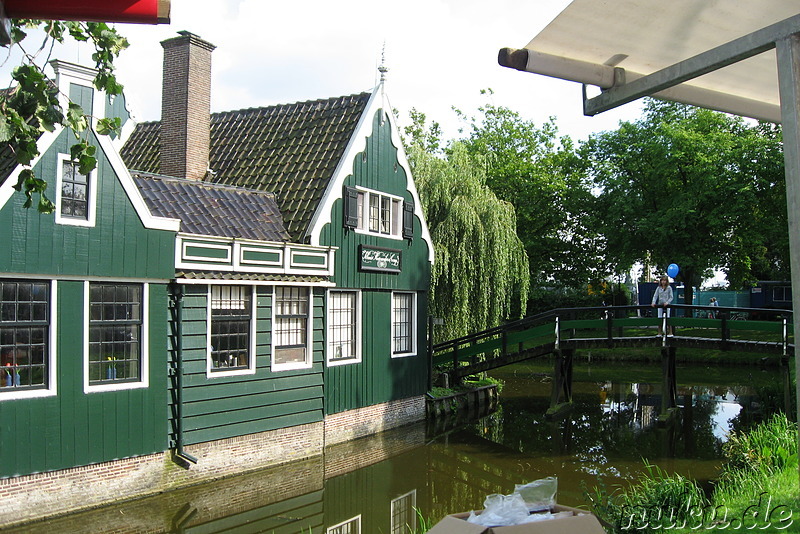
(31, 106)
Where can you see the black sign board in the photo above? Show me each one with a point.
(379, 259)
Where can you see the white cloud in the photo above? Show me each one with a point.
(440, 53)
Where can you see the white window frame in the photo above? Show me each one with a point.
(251, 367)
(413, 325)
(91, 193)
(144, 344)
(402, 529)
(309, 332)
(784, 290)
(52, 387)
(395, 213)
(328, 337)
(355, 520)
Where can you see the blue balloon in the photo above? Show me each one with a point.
(672, 270)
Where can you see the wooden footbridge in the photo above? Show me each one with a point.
(563, 331)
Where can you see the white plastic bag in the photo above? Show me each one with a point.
(515, 509)
(538, 495)
(501, 510)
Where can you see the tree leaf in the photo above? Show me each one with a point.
(109, 125)
(76, 119)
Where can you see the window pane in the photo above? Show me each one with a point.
(404, 517)
(291, 325)
(24, 334)
(74, 192)
(374, 213)
(115, 329)
(397, 218)
(361, 218)
(230, 327)
(402, 317)
(342, 329)
(386, 214)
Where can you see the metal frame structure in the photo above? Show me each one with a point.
(619, 88)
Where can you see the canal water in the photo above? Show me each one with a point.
(374, 485)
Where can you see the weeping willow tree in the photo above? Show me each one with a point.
(480, 276)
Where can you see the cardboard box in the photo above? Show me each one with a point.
(579, 522)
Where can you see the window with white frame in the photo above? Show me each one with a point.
(404, 515)
(230, 316)
(351, 526)
(24, 334)
(115, 333)
(343, 328)
(379, 213)
(403, 305)
(782, 294)
(291, 328)
(75, 202)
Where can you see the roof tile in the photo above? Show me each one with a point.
(291, 150)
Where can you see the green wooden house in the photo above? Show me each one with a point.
(83, 305)
(333, 302)
(237, 289)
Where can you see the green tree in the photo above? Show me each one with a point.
(689, 186)
(544, 178)
(480, 276)
(30, 106)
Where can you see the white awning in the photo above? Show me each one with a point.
(590, 37)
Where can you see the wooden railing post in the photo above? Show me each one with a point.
(724, 326)
(455, 362)
(558, 334)
(785, 339)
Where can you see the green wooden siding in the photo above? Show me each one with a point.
(369, 492)
(74, 428)
(224, 407)
(379, 377)
(380, 172)
(118, 246)
(83, 96)
(298, 514)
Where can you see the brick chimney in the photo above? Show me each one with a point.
(186, 106)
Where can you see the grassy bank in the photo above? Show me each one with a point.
(757, 489)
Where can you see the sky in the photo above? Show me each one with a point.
(440, 55)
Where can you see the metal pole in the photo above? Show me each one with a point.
(788, 54)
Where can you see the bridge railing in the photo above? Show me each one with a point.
(614, 323)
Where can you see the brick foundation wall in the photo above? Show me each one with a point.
(27, 498)
(49, 494)
(354, 424)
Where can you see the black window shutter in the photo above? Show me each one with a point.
(408, 219)
(350, 197)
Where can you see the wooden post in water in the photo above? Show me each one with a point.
(561, 396)
(669, 388)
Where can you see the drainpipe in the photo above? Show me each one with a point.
(176, 294)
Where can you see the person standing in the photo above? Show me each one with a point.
(713, 313)
(662, 298)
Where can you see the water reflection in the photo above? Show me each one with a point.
(373, 485)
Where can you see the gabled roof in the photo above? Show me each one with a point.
(291, 150)
(213, 210)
